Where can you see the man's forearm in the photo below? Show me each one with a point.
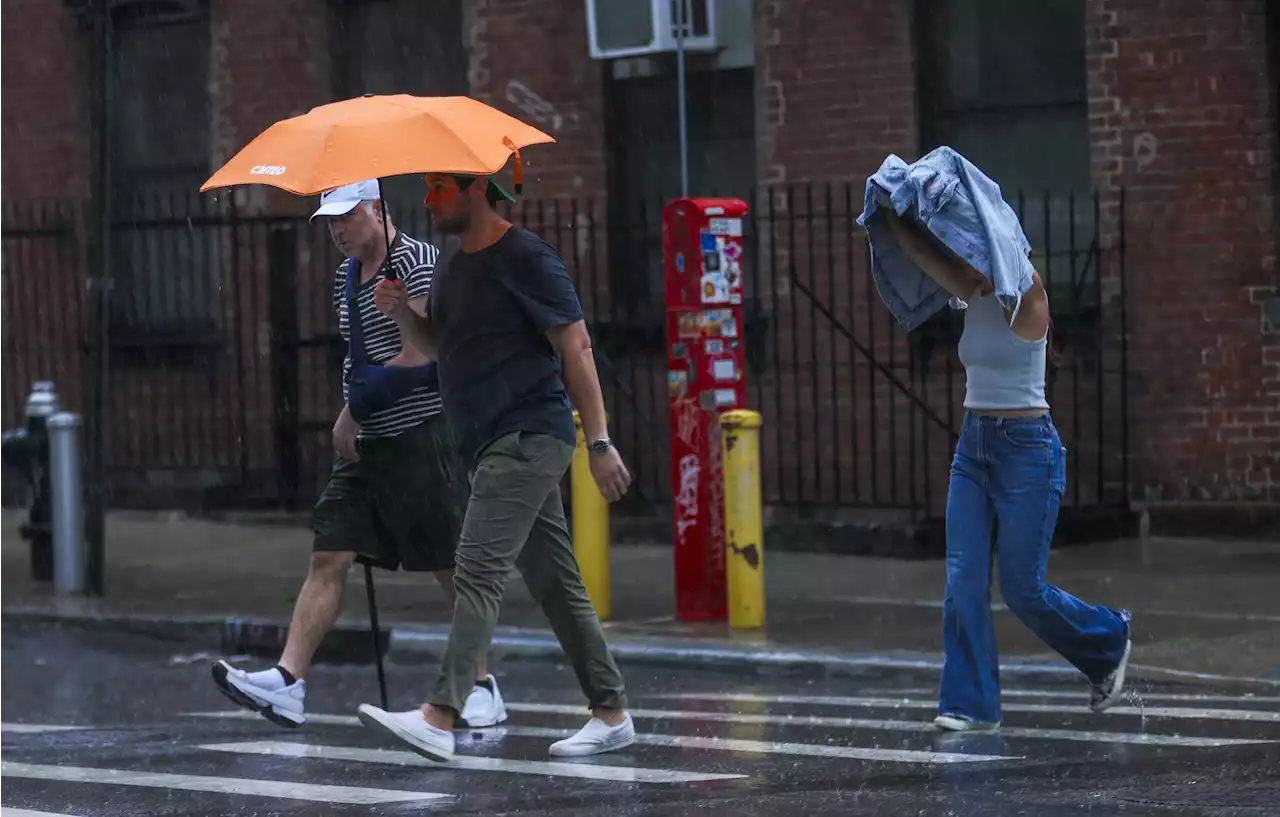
(583, 383)
(415, 329)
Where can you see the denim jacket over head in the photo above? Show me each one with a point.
(960, 207)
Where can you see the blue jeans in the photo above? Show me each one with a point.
(1011, 471)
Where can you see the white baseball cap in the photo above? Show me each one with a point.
(344, 199)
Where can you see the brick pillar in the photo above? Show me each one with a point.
(269, 63)
(836, 93)
(837, 88)
(1183, 117)
(46, 120)
(530, 59)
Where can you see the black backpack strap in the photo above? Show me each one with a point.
(355, 330)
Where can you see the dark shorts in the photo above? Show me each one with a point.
(401, 504)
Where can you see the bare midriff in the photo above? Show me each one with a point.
(1029, 412)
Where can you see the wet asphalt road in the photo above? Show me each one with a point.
(152, 736)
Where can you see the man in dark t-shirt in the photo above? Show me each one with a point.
(504, 324)
(396, 495)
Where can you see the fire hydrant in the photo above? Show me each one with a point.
(27, 451)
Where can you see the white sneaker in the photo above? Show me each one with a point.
(263, 692)
(959, 723)
(411, 728)
(1106, 693)
(595, 738)
(484, 708)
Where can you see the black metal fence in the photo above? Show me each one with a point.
(225, 359)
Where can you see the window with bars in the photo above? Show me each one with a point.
(644, 165)
(1004, 83)
(166, 276)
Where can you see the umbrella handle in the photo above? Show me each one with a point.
(386, 230)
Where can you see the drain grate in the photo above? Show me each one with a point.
(1211, 795)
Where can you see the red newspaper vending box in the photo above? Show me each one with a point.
(702, 255)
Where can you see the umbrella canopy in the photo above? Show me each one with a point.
(376, 136)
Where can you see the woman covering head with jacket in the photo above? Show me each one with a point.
(939, 228)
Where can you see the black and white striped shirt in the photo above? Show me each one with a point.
(415, 263)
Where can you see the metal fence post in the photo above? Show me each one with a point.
(70, 563)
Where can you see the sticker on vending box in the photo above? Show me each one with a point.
(732, 273)
(726, 226)
(714, 289)
(724, 371)
(677, 385)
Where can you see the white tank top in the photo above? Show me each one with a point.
(1002, 370)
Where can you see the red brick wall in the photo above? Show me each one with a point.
(837, 88)
(836, 93)
(1184, 119)
(266, 67)
(43, 116)
(541, 46)
(1182, 113)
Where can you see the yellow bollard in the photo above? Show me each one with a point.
(743, 520)
(590, 528)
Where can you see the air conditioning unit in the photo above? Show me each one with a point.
(632, 28)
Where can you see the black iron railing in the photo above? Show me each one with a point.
(224, 353)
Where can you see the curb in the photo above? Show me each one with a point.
(349, 642)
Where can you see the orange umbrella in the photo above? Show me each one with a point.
(376, 136)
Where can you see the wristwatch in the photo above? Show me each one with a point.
(600, 446)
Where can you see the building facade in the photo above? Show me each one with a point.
(1140, 140)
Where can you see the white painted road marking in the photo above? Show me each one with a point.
(221, 785)
(758, 747)
(24, 812)
(1080, 696)
(899, 726)
(243, 715)
(620, 774)
(937, 604)
(765, 747)
(1189, 713)
(36, 728)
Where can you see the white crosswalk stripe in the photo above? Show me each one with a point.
(621, 774)
(354, 795)
(34, 728)
(1262, 716)
(729, 746)
(759, 747)
(1053, 694)
(1141, 738)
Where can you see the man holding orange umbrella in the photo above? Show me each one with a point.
(506, 327)
(397, 492)
(504, 324)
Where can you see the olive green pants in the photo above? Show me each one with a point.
(515, 518)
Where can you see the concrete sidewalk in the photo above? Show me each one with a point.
(1200, 607)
